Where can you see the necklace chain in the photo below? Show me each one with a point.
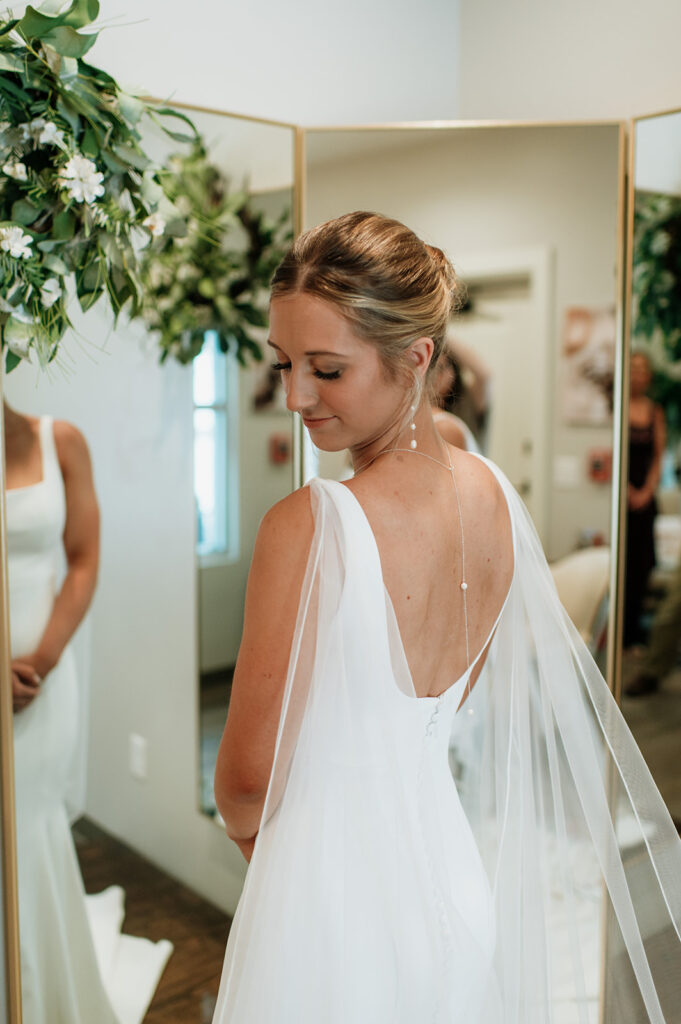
(464, 583)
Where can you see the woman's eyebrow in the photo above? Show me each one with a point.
(316, 352)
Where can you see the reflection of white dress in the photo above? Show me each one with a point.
(380, 892)
(75, 968)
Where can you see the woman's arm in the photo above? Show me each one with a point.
(275, 582)
(660, 441)
(81, 545)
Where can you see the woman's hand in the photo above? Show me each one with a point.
(25, 684)
(638, 497)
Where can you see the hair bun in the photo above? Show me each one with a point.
(446, 270)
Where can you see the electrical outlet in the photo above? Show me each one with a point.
(137, 756)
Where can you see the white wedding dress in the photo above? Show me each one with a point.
(76, 967)
(382, 889)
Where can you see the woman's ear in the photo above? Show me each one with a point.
(420, 354)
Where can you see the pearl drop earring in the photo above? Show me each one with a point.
(412, 443)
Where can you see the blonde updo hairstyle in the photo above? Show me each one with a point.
(391, 287)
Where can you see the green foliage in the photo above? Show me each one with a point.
(78, 195)
(211, 268)
(656, 323)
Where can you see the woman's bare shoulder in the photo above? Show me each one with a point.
(72, 451)
(288, 526)
(69, 440)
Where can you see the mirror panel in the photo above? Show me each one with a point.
(185, 466)
(651, 672)
(530, 217)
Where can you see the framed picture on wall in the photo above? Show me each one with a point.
(588, 363)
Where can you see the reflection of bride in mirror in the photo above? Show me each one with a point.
(53, 517)
(452, 428)
(378, 612)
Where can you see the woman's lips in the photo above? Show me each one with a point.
(312, 423)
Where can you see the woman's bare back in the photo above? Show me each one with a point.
(410, 503)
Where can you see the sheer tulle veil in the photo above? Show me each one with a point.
(565, 814)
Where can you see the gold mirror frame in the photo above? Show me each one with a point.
(8, 897)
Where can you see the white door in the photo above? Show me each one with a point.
(508, 329)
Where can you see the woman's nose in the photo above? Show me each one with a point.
(300, 394)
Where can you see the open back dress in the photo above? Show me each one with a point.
(418, 862)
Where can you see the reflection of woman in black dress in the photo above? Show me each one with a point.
(647, 438)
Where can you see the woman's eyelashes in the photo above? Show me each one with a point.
(331, 375)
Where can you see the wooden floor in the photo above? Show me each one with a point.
(655, 721)
(158, 907)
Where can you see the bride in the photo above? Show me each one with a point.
(392, 622)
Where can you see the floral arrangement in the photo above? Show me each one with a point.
(656, 286)
(211, 269)
(79, 198)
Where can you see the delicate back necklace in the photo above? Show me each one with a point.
(463, 585)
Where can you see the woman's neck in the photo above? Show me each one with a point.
(428, 440)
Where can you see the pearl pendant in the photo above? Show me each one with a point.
(412, 444)
(463, 585)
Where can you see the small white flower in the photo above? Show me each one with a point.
(154, 223)
(15, 170)
(15, 242)
(81, 179)
(40, 132)
(50, 135)
(50, 292)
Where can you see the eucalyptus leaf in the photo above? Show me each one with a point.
(164, 112)
(70, 43)
(133, 157)
(33, 25)
(24, 212)
(132, 108)
(66, 111)
(12, 360)
(64, 225)
(88, 144)
(14, 90)
(12, 62)
(55, 264)
(112, 162)
(81, 13)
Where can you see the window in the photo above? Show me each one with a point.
(216, 454)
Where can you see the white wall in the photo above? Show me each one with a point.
(586, 59)
(658, 155)
(299, 61)
(493, 190)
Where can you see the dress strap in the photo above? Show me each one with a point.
(48, 448)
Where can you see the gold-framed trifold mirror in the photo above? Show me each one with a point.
(187, 458)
